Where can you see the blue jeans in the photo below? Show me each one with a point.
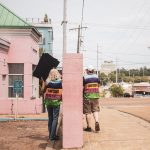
(53, 113)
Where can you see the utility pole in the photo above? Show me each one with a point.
(97, 58)
(101, 58)
(64, 23)
(116, 72)
(79, 37)
(133, 87)
(78, 43)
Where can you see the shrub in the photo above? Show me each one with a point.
(116, 90)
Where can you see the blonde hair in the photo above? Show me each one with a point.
(54, 74)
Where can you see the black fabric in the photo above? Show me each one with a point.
(45, 64)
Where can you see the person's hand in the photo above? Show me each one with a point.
(43, 84)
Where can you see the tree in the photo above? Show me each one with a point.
(116, 90)
(103, 78)
(112, 77)
(121, 77)
(128, 79)
(144, 79)
(137, 79)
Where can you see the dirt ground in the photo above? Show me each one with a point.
(23, 135)
(32, 135)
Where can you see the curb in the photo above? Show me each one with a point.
(23, 119)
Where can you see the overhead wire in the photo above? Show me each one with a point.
(133, 31)
(139, 33)
(134, 54)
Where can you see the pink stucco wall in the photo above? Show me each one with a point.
(23, 49)
(9, 106)
(4, 47)
(72, 101)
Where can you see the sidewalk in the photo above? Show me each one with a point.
(119, 131)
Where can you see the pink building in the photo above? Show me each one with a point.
(19, 55)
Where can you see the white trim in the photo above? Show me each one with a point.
(20, 32)
(41, 38)
(43, 25)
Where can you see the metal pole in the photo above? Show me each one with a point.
(78, 44)
(65, 27)
(97, 59)
(79, 37)
(116, 72)
(16, 108)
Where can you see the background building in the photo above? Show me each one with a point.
(44, 26)
(107, 67)
(141, 89)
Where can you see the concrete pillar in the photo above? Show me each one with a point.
(72, 101)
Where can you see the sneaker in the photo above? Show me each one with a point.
(50, 143)
(88, 129)
(97, 127)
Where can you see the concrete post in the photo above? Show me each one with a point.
(72, 100)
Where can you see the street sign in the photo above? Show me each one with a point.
(17, 86)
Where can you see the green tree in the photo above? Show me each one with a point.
(103, 78)
(137, 79)
(121, 77)
(144, 79)
(116, 90)
(112, 77)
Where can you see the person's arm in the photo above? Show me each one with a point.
(83, 82)
(43, 86)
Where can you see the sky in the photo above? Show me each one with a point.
(117, 30)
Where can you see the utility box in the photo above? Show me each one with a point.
(72, 100)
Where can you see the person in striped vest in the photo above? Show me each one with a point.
(53, 100)
(91, 98)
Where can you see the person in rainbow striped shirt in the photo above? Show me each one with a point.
(91, 97)
(53, 100)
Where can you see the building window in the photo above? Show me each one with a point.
(16, 72)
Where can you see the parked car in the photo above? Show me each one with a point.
(138, 95)
(127, 95)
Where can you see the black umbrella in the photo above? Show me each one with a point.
(45, 64)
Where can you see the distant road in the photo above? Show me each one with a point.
(124, 102)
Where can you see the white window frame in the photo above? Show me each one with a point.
(10, 95)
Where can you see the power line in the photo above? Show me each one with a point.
(118, 27)
(122, 54)
(138, 32)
